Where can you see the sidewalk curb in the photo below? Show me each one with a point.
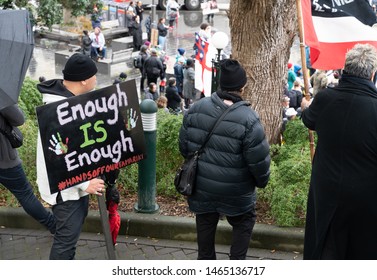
(168, 227)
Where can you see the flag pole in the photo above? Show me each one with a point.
(304, 68)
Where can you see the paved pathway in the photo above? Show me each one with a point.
(29, 244)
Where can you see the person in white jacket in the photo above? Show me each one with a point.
(98, 49)
(69, 206)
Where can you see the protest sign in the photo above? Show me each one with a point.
(87, 135)
(210, 7)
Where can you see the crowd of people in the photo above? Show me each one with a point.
(340, 106)
(151, 60)
(295, 99)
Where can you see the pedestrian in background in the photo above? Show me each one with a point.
(130, 17)
(189, 91)
(12, 174)
(173, 99)
(98, 48)
(143, 55)
(212, 6)
(178, 74)
(70, 206)
(151, 92)
(139, 10)
(162, 103)
(341, 204)
(162, 33)
(137, 33)
(173, 12)
(234, 162)
(148, 27)
(86, 43)
(181, 54)
(96, 17)
(153, 68)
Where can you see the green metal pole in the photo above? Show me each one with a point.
(146, 202)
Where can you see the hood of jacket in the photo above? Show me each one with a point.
(53, 90)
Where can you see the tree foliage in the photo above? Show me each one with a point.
(51, 11)
(11, 4)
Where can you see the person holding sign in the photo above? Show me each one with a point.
(69, 205)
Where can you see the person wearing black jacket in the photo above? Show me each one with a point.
(153, 68)
(162, 32)
(137, 33)
(70, 205)
(86, 43)
(12, 174)
(143, 55)
(174, 100)
(139, 10)
(234, 162)
(342, 209)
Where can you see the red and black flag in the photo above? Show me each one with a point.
(332, 27)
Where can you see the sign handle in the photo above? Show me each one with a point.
(106, 227)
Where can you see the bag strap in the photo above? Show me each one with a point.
(233, 106)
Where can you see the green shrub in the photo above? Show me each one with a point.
(287, 190)
(296, 133)
(168, 157)
(128, 178)
(28, 150)
(30, 98)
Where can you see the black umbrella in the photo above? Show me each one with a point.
(16, 50)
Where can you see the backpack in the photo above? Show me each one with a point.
(137, 61)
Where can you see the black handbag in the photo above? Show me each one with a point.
(13, 134)
(185, 177)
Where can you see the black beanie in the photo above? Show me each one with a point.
(232, 75)
(79, 67)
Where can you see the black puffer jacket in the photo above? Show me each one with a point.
(235, 160)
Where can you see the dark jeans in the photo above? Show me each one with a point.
(14, 179)
(142, 81)
(70, 216)
(152, 80)
(95, 52)
(206, 225)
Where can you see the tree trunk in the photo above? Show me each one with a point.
(262, 33)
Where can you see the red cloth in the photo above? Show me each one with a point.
(114, 220)
(332, 29)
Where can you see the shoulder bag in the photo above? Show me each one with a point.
(13, 134)
(185, 176)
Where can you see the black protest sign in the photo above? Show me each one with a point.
(87, 135)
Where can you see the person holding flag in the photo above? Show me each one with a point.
(341, 204)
